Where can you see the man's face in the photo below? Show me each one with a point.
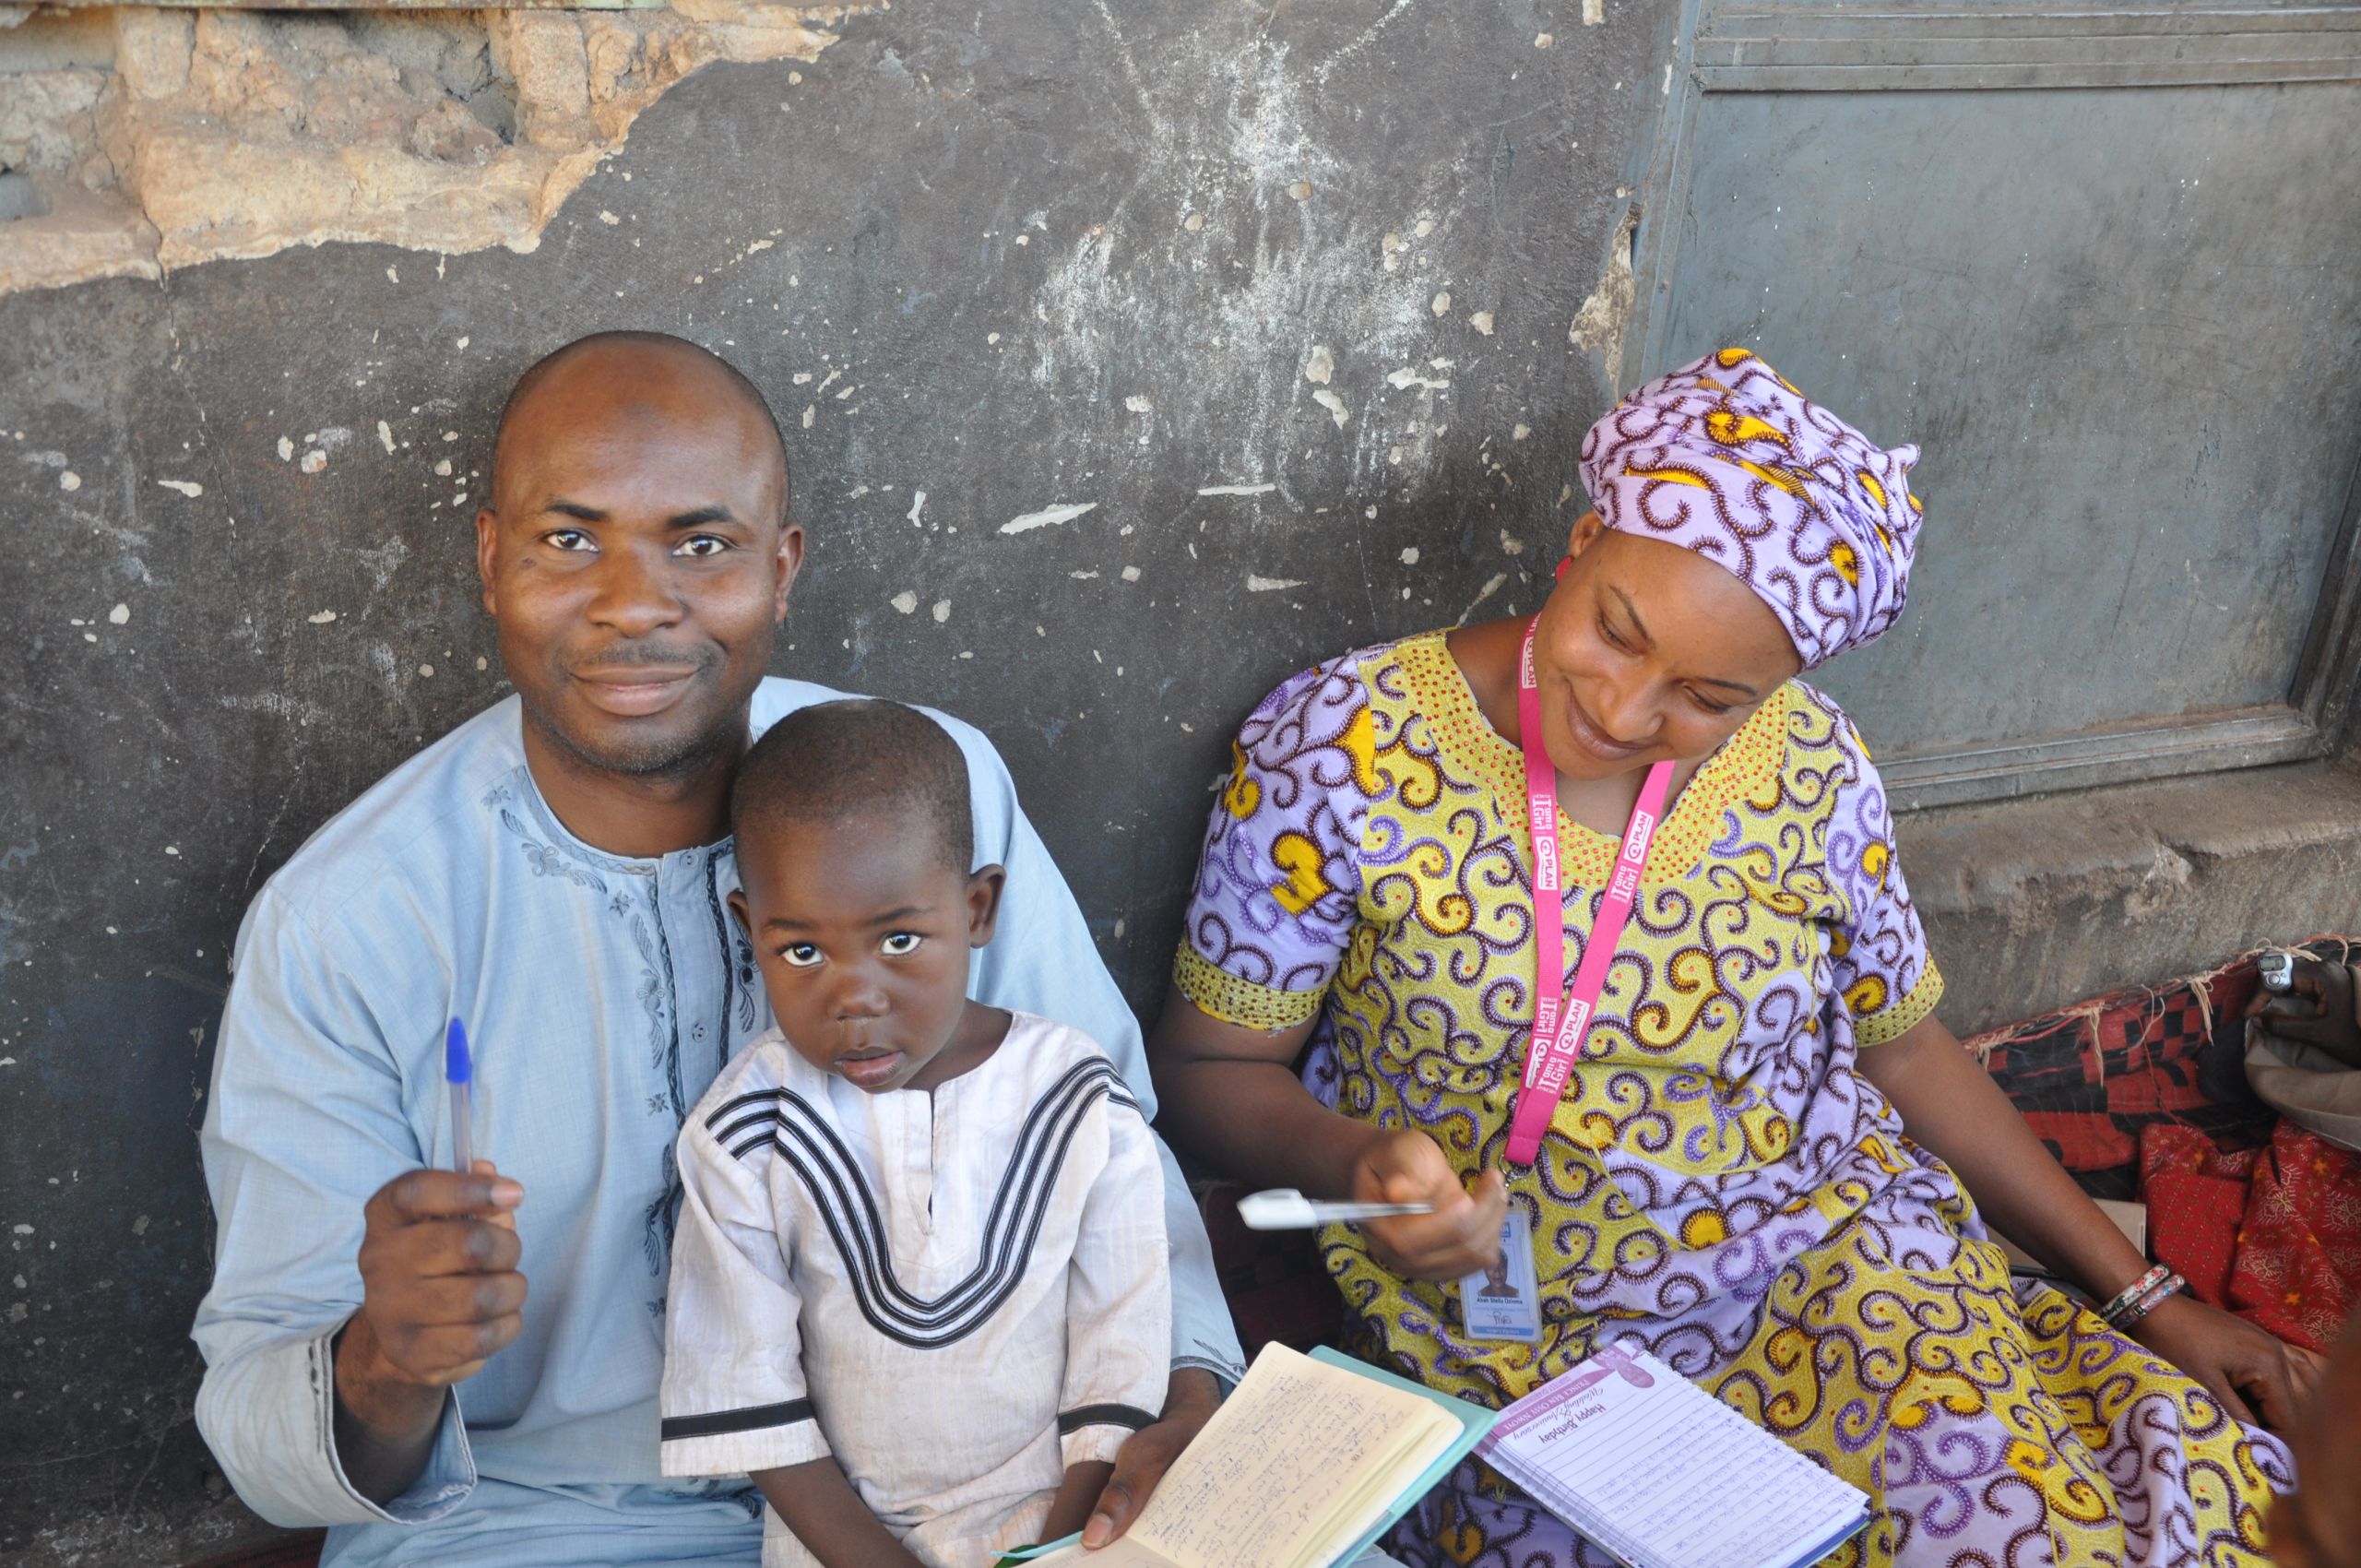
(635, 557)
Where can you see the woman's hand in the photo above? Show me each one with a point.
(1462, 1235)
(2253, 1373)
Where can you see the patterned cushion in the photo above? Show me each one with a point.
(2091, 1076)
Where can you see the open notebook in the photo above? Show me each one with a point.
(1653, 1468)
(1304, 1466)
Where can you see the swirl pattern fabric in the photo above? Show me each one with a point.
(1719, 1179)
(1727, 459)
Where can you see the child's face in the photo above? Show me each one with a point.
(862, 931)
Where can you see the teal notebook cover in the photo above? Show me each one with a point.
(1474, 1422)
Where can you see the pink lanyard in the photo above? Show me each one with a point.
(1558, 1036)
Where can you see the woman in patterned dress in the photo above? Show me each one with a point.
(1762, 1161)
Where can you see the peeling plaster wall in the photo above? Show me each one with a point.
(1132, 356)
(158, 138)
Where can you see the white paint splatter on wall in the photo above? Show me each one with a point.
(1264, 259)
(1064, 511)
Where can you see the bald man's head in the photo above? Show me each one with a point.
(621, 363)
(636, 552)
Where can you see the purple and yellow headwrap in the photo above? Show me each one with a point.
(1725, 459)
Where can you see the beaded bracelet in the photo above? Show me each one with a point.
(2131, 1293)
(2173, 1286)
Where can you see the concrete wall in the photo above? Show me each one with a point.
(1290, 316)
(2032, 905)
(1282, 295)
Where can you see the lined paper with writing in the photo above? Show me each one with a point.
(1665, 1476)
(1302, 1461)
(1297, 1465)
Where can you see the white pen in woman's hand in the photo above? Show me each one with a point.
(1284, 1208)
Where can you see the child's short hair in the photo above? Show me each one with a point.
(835, 760)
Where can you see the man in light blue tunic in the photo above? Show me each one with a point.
(456, 1369)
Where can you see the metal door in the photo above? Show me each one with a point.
(2105, 268)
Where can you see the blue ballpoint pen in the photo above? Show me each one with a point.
(457, 1069)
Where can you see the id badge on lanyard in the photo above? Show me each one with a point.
(1560, 1022)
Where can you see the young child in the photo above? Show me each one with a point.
(919, 1287)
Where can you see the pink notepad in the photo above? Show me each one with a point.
(1651, 1467)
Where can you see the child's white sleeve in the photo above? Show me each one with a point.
(733, 1396)
(1118, 1299)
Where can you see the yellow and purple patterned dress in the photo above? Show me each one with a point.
(1720, 1181)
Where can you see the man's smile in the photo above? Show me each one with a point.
(634, 691)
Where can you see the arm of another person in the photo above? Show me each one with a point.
(1950, 1105)
(1118, 1308)
(349, 1289)
(1274, 909)
(733, 1400)
(2319, 1523)
(1232, 1100)
(2334, 1025)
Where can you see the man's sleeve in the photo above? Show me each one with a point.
(1043, 961)
(304, 1124)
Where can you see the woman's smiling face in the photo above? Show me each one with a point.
(1648, 651)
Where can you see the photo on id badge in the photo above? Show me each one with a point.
(1504, 1300)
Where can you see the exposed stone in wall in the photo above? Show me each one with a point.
(1598, 325)
(156, 138)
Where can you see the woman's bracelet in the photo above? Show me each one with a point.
(2130, 1294)
(2170, 1286)
(2157, 1298)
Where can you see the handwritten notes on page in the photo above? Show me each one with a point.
(1662, 1474)
(1297, 1465)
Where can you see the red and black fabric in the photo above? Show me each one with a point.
(2090, 1078)
(2273, 1234)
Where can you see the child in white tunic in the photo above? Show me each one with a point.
(919, 1287)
